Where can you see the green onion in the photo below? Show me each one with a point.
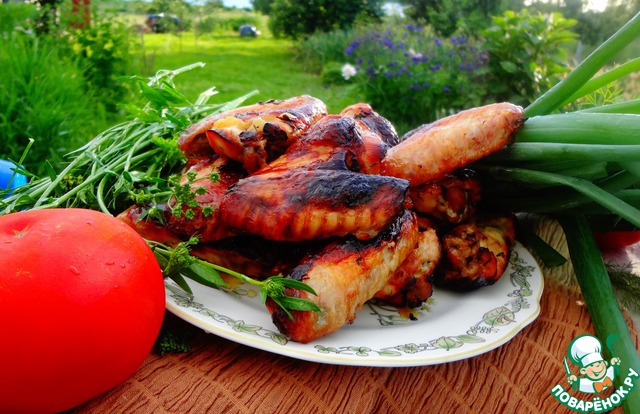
(626, 107)
(582, 128)
(605, 79)
(554, 97)
(602, 304)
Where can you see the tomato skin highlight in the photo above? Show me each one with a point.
(81, 304)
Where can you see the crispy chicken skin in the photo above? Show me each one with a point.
(451, 199)
(378, 135)
(253, 135)
(372, 121)
(300, 204)
(410, 284)
(330, 144)
(310, 192)
(476, 254)
(345, 275)
(433, 150)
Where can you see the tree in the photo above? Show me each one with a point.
(294, 19)
(447, 17)
(262, 6)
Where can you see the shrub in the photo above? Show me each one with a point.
(321, 48)
(295, 19)
(527, 53)
(412, 77)
(102, 49)
(43, 96)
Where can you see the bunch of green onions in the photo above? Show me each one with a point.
(576, 166)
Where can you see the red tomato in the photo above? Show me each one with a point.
(81, 304)
(616, 240)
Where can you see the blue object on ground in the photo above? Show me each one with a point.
(6, 172)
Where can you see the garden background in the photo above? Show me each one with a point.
(68, 65)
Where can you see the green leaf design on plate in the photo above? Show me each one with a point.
(278, 338)
(389, 353)
(241, 326)
(469, 339)
(446, 342)
(499, 316)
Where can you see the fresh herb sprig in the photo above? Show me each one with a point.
(178, 263)
(141, 152)
(137, 162)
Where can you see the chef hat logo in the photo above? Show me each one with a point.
(584, 350)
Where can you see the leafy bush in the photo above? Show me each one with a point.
(295, 19)
(102, 49)
(411, 76)
(60, 85)
(18, 15)
(42, 96)
(527, 53)
(321, 48)
(220, 22)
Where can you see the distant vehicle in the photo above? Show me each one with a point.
(247, 30)
(161, 23)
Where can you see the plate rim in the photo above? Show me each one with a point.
(309, 352)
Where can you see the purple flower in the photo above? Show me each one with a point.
(437, 41)
(352, 47)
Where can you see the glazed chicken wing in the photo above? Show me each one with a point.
(452, 199)
(253, 135)
(476, 254)
(431, 151)
(345, 275)
(310, 193)
(378, 135)
(330, 144)
(410, 284)
(300, 204)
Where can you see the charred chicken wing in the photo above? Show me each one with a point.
(253, 135)
(378, 135)
(451, 199)
(300, 204)
(345, 275)
(476, 254)
(410, 284)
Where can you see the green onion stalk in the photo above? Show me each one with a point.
(580, 166)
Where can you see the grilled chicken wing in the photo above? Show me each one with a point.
(476, 254)
(345, 275)
(431, 151)
(330, 144)
(300, 204)
(254, 134)
(410, 284)
(451, 199)
(378, 135)
(310, 193)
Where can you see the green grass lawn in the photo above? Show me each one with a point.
(236, 66)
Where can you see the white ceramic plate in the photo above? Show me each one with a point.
(450, 326)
